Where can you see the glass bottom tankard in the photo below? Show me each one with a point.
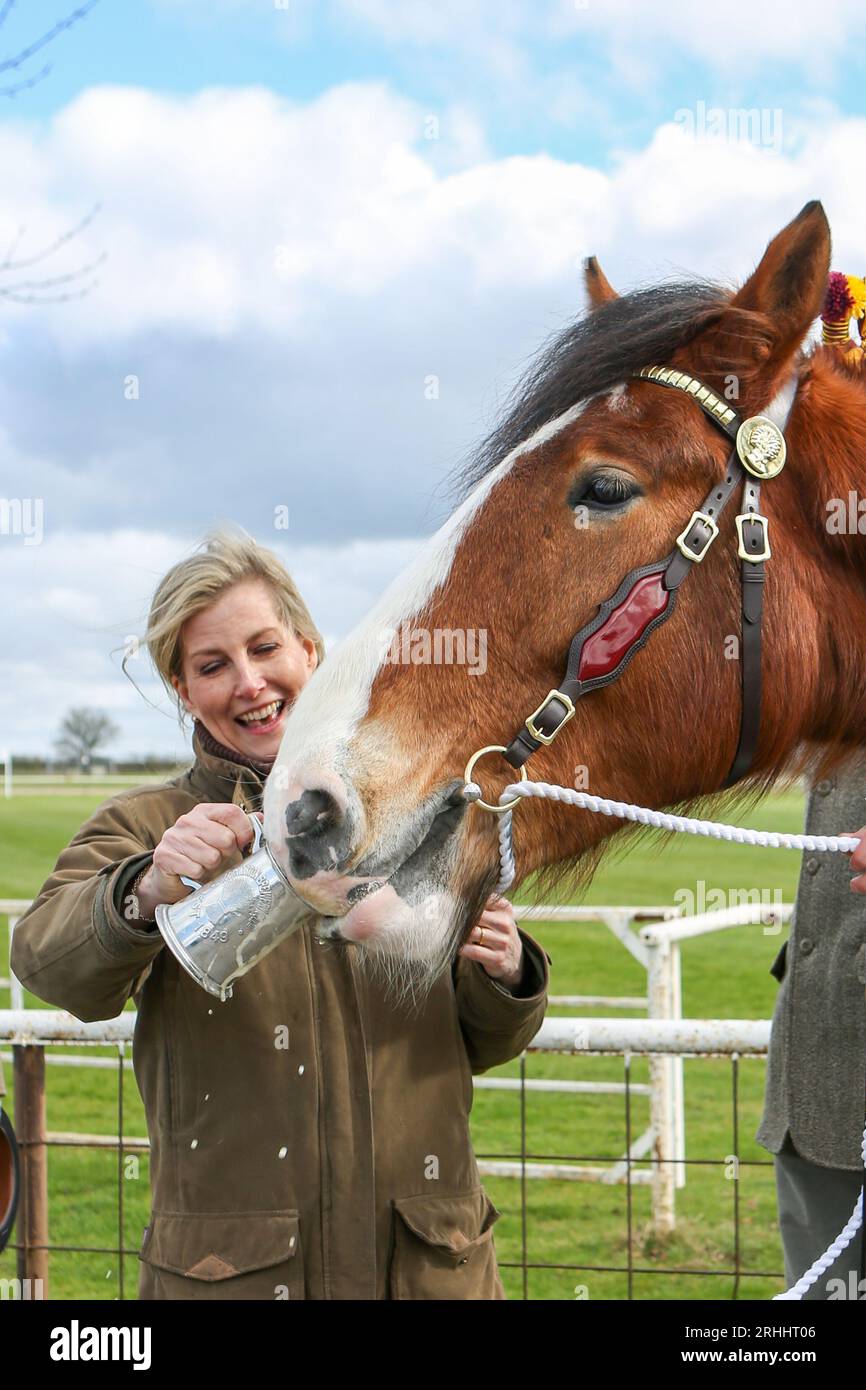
(225, 927)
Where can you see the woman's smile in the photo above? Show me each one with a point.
(263, 719)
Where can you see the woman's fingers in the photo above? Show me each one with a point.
(489, 953)
(199, 857)
(499, 916)
(201, 839)
(858, 857)
(227, 827)
(173, 862)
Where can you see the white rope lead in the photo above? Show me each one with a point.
(622, 810)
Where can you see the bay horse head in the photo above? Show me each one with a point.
(592, 475)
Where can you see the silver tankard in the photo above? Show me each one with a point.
(225, 927)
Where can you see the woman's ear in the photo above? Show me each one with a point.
(312, 655)
(183, 691)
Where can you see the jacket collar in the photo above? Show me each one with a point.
(221, 774)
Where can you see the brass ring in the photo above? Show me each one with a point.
(492, 748)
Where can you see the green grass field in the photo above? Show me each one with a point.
(725, 975)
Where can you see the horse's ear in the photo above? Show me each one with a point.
(599, 290)
(790, 283)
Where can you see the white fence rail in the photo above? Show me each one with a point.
(652, 935)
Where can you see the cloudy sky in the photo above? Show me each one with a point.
(239, 237)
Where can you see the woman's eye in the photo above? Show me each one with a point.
(605, 490)
(215, 665)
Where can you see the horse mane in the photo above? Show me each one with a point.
(603, 347)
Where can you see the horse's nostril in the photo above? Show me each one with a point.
(314, 813)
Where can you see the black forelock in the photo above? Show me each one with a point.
(595, 354)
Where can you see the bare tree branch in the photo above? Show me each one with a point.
(15, 61)
(9, 264)
(11, 292)
(35, 291)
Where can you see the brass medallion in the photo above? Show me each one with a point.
(761, 447)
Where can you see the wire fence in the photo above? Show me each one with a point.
(532, 1169)
(636, 1168)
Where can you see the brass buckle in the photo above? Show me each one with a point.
(530, 722)
(697, 556)
(765, 551)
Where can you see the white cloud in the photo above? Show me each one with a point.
(232, 211)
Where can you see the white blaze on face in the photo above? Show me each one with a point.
(316, 748)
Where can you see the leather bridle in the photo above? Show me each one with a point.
(601, 650)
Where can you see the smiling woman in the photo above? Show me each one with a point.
(229, 632)
(309, 1136)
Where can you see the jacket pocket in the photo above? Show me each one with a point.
(443, 1248)
(223, 1255)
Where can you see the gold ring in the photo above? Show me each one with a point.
(481, 937)
(492, 748)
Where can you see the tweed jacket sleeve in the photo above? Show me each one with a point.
(74, 947)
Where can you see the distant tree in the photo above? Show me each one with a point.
(82, 731)
(27, 290)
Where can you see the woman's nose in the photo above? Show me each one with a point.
(249, 683)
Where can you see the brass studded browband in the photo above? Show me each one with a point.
(712, 404)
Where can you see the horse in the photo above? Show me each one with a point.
(588, 478)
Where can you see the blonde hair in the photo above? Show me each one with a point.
(226, 556)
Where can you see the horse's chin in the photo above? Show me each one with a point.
(404, 945)
(386, 923)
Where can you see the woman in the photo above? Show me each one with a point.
(308, 1139)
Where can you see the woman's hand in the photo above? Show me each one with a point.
(196, 845)
(495, 942)
(858, 859)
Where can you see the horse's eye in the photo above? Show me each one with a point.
(603, 491)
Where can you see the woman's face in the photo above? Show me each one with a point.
(240, 660)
